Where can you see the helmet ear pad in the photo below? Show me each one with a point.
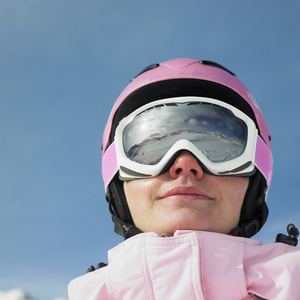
(254, 210)
(117, 201)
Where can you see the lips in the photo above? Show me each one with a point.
(190, 193)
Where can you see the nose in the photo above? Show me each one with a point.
(186, 165)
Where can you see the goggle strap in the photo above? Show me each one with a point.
(109, 164)
(263, 159)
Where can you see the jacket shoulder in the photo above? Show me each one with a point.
(83, 287)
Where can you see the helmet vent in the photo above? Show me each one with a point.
(214, 64)
(150, 67)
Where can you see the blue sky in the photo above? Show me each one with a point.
(62, 65)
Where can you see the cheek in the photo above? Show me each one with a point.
(139, 195)
(132, 194)
(235, 192)
(242, 184)
(235, 186)
(138, 189)
(232, 191)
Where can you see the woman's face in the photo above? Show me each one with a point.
(186, 198)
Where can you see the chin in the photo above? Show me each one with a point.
(186, 226)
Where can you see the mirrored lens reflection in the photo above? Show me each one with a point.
(214, 130)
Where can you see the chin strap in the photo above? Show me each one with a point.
(99, 266)
(246, 230)
(119, 210)
(292, 238)
(252, 228)
(124, 229)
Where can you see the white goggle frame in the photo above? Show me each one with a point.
(243, 165)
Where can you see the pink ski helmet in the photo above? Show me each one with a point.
(179, 78)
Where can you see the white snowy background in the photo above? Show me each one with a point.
(62, 65)
(18, 294)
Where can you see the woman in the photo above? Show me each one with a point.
(187, 164)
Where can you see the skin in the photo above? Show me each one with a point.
(186, 198)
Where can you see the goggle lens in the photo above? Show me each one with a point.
(213, 129)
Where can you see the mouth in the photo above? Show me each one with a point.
(186, 193)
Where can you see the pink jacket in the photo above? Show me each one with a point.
(193, 265)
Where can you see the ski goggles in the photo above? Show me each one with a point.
(221, 137)
(224, 140)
